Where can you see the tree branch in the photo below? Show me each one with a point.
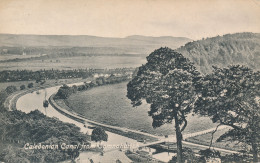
(183, 116)
(212, 135)
(230, 124)
(191, 102)
(185, 121)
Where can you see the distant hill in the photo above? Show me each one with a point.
(131, 44)
(239, 48)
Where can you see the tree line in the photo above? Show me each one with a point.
(5, 93)
(65, 91)
(41, 75)
(9, 90)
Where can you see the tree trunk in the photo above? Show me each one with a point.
(254, 150)
(179, 139)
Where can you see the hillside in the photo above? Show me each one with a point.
(239, 48)
(131, 44)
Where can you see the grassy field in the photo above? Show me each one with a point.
(206, 138)
(109, 104)
(98, 62)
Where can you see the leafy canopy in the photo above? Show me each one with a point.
(98, 134)
(166, 82)
(230, 96)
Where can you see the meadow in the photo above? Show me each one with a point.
(109, 104)
(206, 138)
(79, 62)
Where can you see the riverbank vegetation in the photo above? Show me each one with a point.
(36, 128)
(65, 91)
(5, 93)
(42, 75)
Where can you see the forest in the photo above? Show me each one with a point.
(238, 48)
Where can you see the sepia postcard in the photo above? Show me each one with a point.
(129, 81)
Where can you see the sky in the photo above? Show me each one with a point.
(194, 19)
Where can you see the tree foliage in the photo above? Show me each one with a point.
(166, 82)
(4, 94)
(22, 87)
(230, 96)
(98, 135)
(10, 89)
(43, 75)
(64, 92)
(188, 155)
(238, 48)
(30, 85)
(35, 127)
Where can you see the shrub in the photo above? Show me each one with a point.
(22, 87)
(10, 89)
(30, 85)
(64, 92)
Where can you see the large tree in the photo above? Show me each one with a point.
(230, 96)
(166, 82)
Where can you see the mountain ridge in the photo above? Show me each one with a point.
(88, 40)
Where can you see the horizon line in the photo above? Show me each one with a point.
(94, 35)
(192, 39)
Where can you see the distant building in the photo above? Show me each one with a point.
(5, 51)
(24, 53)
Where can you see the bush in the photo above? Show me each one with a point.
(22, 87)
(236, 158)
(188, 155)
(74, 89)
(64, 92)
(10, 89)
(30, 85)
(98, 134)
